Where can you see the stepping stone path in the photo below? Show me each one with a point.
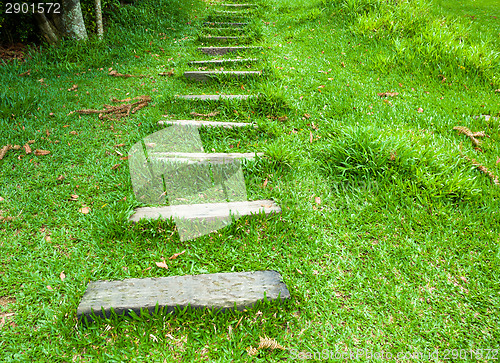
(218, 291)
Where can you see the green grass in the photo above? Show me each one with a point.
(400, 253)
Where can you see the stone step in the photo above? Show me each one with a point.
(209, 211)
(214, 97)
(219, 291)
(201, 158)
(223, 61)
(201, 123)
(223, 38)
(224, 24)
(225, 50)
(204, 76)
(232, 13)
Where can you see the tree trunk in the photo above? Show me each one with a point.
(73, 19)
(48, 30)
(98, 18)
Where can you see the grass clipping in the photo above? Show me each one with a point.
(265, 343)
(117, 112)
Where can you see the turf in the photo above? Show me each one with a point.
(388, 239)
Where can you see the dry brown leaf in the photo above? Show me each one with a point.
(175, 255)
(169, 73)
(306, 115)
(119, 145)
(282, 118)
(84, 210)
(16, 147)
(4, 150)
(124, 158)
(27, 73)
(300, 272)
(47, 132)
(73, 88)
(310, 137)
(265, 183)
(39, 152)
(420, 110)
(497, 90)
(162, 264)
(49, 287)
(73, 133)
(116, 166)
(73, 197)
(342, 64)
(62, 276)
(31, 141)
(1, 199)
(269, 343)
(317, 200)
(27, 148)
(61, 177)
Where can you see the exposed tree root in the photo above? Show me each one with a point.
(117, 112)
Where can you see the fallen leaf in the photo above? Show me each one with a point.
(175, 255)
(73, 197)
(48, 238)
(300, 272)
(119, 145)
(39, 152)
(116, 166)
(147, 269)
(124, 158)
(266, 181)
(73, 133)
(16, 147)
(420, 110)
(73, 88)
(47, 133)
(49, 287)
(116, 74)
(51, 114)
(60, 177)
(317, 200)
(464, 279)
(169, 73)
(84, 210)
(310, 137)
(282, 118)
(342, 64)
(4, 150)
(62, 276)
(306, 115)
(1, 199)
(162, 264)
(27, 148)
(27, 73)
(31, 141)
(498, 160)
(497, 90)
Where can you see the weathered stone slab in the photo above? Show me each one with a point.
(219, 291)
(223, 61)
(225, 50)
(215, 23)
(232, 13)
(214, 97)
(201, 123)
(195, 158)
(208, 211)
(225, 38)
(204, 76)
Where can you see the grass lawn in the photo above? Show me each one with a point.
(389, 236)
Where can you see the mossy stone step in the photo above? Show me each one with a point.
(224, 24)
(214, 97)
(238, 5)
(202, 123)
(225, 50)
(219, 291)
(204, 76)
(206, 211)
(223, 61)
(202, 158)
